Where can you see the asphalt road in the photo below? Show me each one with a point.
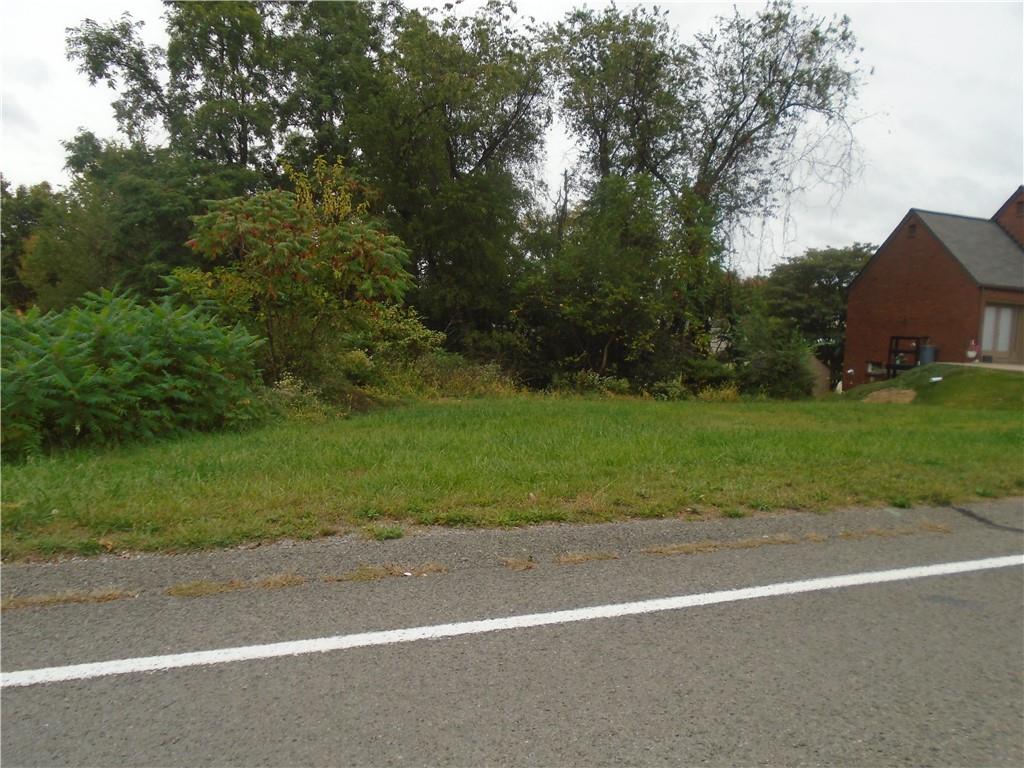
(925, 672)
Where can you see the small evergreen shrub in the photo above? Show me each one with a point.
(113, 369)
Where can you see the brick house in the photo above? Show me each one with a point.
(939, 282)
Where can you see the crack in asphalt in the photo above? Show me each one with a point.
(985, 521)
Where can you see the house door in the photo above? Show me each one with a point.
(1002, 335)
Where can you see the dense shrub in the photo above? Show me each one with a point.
(697, 375)
(700, 373)
(771, 359)
(113, 369)
(384, 354)
(394, 334)
(669, 389)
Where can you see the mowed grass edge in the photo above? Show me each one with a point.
(504, 462)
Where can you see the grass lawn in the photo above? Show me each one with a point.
(506, 462)
(961, 386)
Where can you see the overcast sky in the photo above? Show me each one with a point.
(942, 127)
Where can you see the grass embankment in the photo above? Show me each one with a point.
(506, 462)
(961, 386)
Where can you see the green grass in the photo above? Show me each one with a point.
(384, 532)
(504, 462)
(961, 387)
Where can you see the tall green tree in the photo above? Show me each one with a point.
(123, 220)
(623, 90)
(116, 54)
(616, 296)
(720, 126)
(221, 99)
(70, 251)
(810, 292)
(328, 61)
(24, 210)
(219, 103)
(772, 94)
(452, 136)
(726, 120)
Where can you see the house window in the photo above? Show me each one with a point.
(997, 329)
(912, 230)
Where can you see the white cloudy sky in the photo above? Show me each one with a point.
(943, 125)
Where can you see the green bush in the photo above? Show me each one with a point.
(772, 359)
(700, 373)
(113, 369)
(292, 397)
(670, 389)
(394, 334)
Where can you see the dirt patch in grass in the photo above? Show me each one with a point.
(65, 598)
(575, 558)
(891, 396)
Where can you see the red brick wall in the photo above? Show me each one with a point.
(1011, 216)
(912, 287)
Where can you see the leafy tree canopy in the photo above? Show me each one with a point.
(24, 210)
(444, 111)
(810, 293)
(289, 263)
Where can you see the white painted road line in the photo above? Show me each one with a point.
(388, 637)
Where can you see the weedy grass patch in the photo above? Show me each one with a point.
(578, 558)
(505, 462)
(64, 598)
(387, 571)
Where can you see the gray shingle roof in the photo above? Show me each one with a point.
(987, 252)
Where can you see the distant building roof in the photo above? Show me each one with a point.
(985, 249)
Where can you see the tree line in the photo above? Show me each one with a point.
(409, 144)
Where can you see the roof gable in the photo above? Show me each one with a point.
(1017, 195)
(983, 248)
